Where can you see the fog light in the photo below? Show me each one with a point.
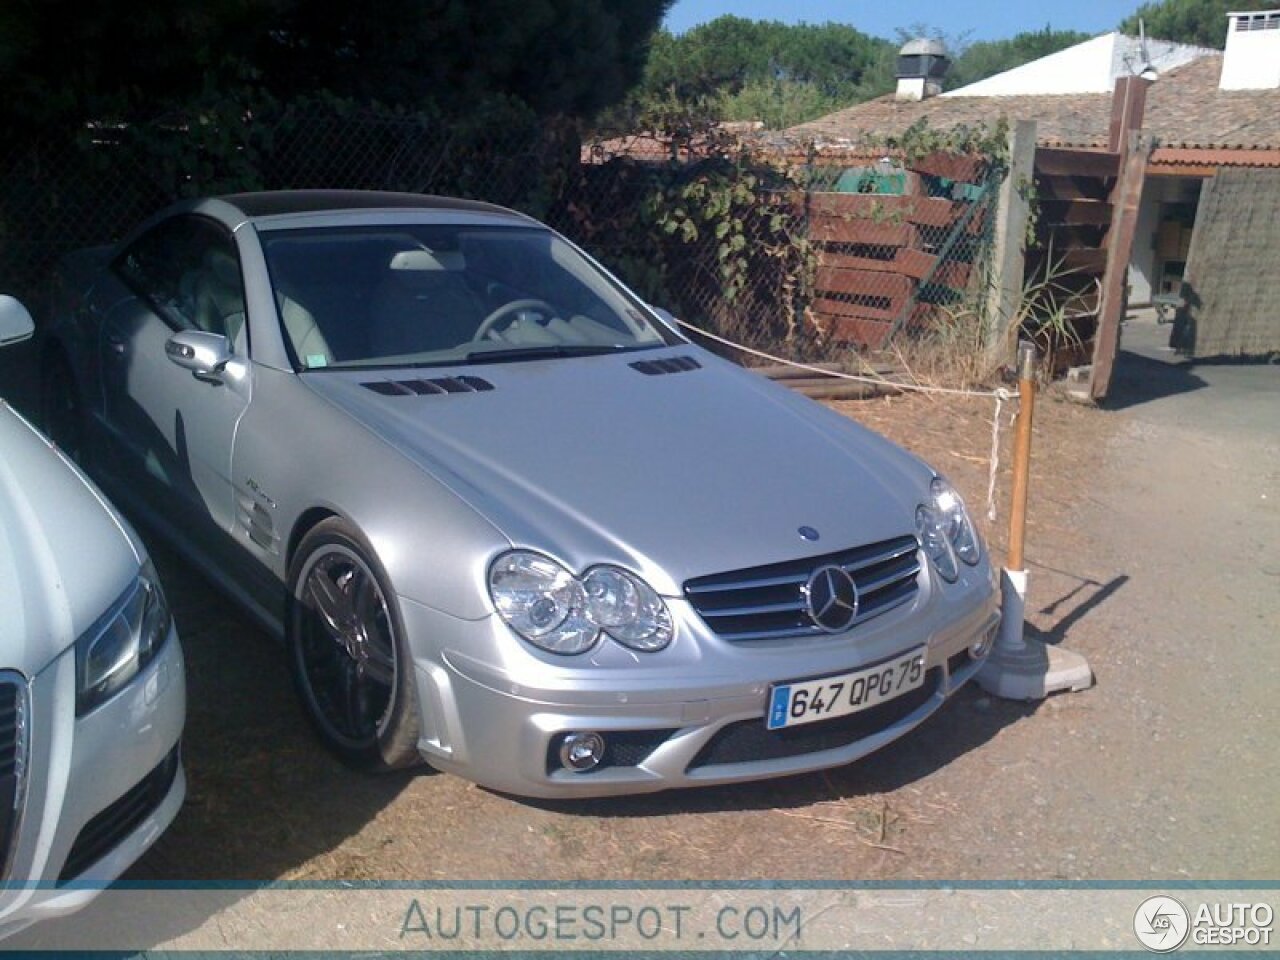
(581, 752)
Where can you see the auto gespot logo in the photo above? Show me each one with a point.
(1163, 924)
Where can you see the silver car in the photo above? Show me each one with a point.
(505, 517)
(92, 689)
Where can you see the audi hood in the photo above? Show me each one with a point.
(65, 555)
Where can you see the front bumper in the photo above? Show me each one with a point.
(99, 788)
(494, 712)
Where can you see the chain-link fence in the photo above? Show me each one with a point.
(59, 196)
(767, 245)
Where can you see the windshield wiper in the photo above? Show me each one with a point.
(544, 352)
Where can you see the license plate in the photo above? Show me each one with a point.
(793, 704)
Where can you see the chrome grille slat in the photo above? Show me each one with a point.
(748, 611)
(768, 603)
(747, 584)
(888, 580)
(881, 558)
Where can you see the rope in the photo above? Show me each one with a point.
(995, 459)
(999, 395)
(877, 381)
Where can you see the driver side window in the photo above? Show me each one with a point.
(188, 271)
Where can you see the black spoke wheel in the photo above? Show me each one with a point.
(61, 412)
(349, 658)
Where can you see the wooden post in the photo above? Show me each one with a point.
(1022, 454)
(1128, 107)
(1124, 222)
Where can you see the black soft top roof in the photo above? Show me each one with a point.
(278, 202)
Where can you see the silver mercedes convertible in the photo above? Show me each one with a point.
(507, 520)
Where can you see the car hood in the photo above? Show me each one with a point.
(674, 474)
(65, 555)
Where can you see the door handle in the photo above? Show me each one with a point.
(116, 344)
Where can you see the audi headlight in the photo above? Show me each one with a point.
(120, 644)
(946, 532)
(560, 613)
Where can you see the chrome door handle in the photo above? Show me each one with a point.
(117, 345)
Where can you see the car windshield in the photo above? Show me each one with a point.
(434, 295)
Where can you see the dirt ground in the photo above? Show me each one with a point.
(266, 802)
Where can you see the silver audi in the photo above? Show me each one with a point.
(506, 518)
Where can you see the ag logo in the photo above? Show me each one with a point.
(1161, 924)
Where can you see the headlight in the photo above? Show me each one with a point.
(554, 610)
(946, 532)
(627, 608)
(120, 644)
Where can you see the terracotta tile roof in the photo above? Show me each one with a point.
(1185, 108)
(1078, 119)
(1216, 157)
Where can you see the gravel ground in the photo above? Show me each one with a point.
(1152, 547)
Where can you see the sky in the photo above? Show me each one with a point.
(970, 20)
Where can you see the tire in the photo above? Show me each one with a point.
(61, 411)
(348, 653)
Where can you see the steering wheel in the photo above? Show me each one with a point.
(488, 326)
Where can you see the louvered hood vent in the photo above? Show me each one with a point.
(405, 388)
(655, 368)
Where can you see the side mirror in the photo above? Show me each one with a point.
(204, 354)
(16, 324)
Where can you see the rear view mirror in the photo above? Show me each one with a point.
(16, 324)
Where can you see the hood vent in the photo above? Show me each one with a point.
(655, 368)
(405, 388)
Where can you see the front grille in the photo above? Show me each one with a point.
(622, 748)
(763, 603)
(13, 761)
(748, 741)
(109, 828)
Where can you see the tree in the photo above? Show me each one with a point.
(1199, 22)
(978, 61)
(63, 62)
(765, 70)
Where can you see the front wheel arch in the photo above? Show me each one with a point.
(331, 653)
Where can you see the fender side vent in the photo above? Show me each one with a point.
(440, 385)
(654, 368)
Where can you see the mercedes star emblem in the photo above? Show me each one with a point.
(831, 598)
